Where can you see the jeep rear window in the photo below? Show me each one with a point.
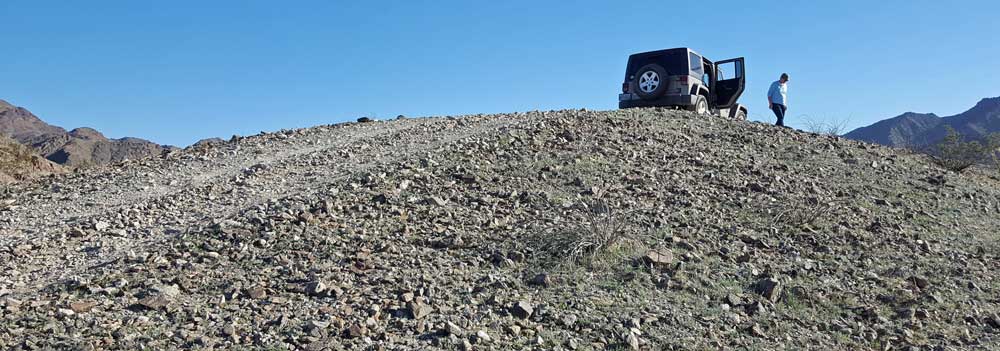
(674, 64)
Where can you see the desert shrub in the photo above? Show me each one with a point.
(993, 149)
(601, 239)
(605, 231)
(834, 127)
(800, 213)
(956, 154)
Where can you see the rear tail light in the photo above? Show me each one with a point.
(624, 87)
(683, 79)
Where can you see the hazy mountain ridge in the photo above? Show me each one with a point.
(78, 147)
(919, 130)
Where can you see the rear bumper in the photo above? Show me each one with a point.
(632, 100)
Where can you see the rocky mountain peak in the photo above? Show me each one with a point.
(988, 104)
(87, 133)
(918, 130)
(80, 146)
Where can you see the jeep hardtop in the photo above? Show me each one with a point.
(682, 78)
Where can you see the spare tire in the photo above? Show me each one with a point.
(650, 81)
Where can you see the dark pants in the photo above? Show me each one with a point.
(779, 111)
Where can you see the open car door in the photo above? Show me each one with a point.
(730, 82)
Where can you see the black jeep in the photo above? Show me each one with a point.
(682, 78)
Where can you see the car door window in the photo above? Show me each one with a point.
(730, 68)
(695, 62)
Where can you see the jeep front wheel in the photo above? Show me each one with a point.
(650, 81)
(741, 116)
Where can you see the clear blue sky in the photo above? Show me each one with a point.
(179, 71)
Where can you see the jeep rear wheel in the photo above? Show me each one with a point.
(650, 81)
(700, 106)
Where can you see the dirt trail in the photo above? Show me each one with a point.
(300, 162)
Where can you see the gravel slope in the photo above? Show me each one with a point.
(639, 229)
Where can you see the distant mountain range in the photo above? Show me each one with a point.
(919, 130)
(78, 147)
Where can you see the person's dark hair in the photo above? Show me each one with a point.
(784, 76)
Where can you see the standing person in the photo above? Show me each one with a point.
(777, 98)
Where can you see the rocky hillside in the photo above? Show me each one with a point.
(566, 230)
(918, 130)
(79, 147)
(17, 162)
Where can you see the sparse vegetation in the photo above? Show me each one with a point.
(834, 127)
(800, 214)
(957, 155)
(604, 237)
(993, 149)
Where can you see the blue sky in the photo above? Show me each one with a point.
(179, 71)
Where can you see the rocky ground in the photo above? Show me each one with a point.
(565, 230)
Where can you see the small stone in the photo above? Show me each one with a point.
(658, 258)
(257, 293)
(523, 309)
(319, 324)
(541, 280)
(734, 300)
(633, 341)
(754, 308)
(569, 320)
(167, 290)
(406, 297)
(315, 288)
(769, 288)
(154, 302)
(920, 282)
(755, 330)
(101, 226)
(65, 312)
(419, 310)
(453, 329)
(77, 233)
(356, 331)
(82, 306)
(993, 321)
(437, 201)
(482, 337)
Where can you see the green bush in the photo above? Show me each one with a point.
(993, 142)
(957, 155)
